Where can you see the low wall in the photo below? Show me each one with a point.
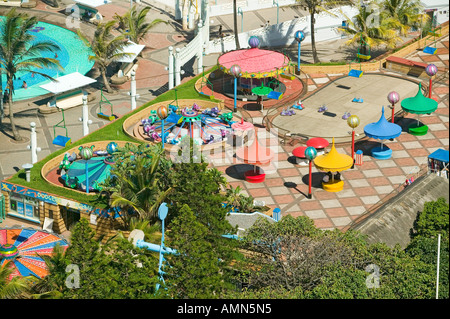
(54, 162)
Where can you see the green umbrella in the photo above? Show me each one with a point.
(261, 91)
(419, 104)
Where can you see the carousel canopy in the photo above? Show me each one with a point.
(255, 154)
(382, 130)
(419, 104)
(255, 62)
(333, 161)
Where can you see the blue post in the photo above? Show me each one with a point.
(298, 58)
(162, 214)
(235, 93)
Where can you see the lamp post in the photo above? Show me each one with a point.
(241, 13)
(353, 122)
(310, 154)
(275, 3)
(86, 154)
(393, 97)
(431, 70)
(85, 118)
(235, 71)
(299, 36)
(162, 214)
(162, 114)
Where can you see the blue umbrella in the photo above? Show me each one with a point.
(382, 130)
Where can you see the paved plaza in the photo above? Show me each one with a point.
(286, 184)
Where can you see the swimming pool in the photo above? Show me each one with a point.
(72, 55)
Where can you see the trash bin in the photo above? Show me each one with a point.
(359, 157)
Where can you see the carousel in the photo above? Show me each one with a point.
(259, 73)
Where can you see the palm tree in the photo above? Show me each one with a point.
(367, 34)
(52, 285)
(315, 7)
(405, 14)
(106, 48)
(136, 183)
(12, 288)
(236, 33)
(134, 25)
(19, 53)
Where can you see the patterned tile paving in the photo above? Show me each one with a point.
(286, 187)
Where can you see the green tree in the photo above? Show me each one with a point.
(13, 288)
(138, 181)
(111, 270)
(106, 48)
(195, 270)
(433, 220)
(19, 53)
(369, 28)
(315, 7)
(404, 14)
(134, 25)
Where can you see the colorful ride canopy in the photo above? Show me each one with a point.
(23, 248)
(382, 130)
(419, 104)
(255, 63)
(333, 161)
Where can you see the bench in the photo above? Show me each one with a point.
(405, 66)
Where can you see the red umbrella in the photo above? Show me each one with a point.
(318, 143)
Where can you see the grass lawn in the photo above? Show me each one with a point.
(183, 91)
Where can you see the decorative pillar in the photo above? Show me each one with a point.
(393, 97)
(431, 70)
(200, 49)
(85, 117)
(33, 143)
(162, 114)
(310, 154)
(177, 67)
(235, 71)
(171, 73)
(133, 90)
(353, 122)
(299, 36)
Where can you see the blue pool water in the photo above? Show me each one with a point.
(73, 56)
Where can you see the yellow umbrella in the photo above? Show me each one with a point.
(333, 162)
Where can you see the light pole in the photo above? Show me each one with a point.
(310, 154)
(85, 117)
(275, 2)
(241, 13)
(353, 122)
(162, 214)
(162, 114)
(393, 97)
(235, 71)
(431, 70)
(299, 36)
(33, 143)
(86, 154)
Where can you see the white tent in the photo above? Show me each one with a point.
(133, 48)
(67, 83)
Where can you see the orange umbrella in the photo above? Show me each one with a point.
(255, 154)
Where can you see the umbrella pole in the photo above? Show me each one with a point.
(381, 145)
(332, 178)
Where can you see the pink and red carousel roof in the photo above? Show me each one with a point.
(254, 62)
